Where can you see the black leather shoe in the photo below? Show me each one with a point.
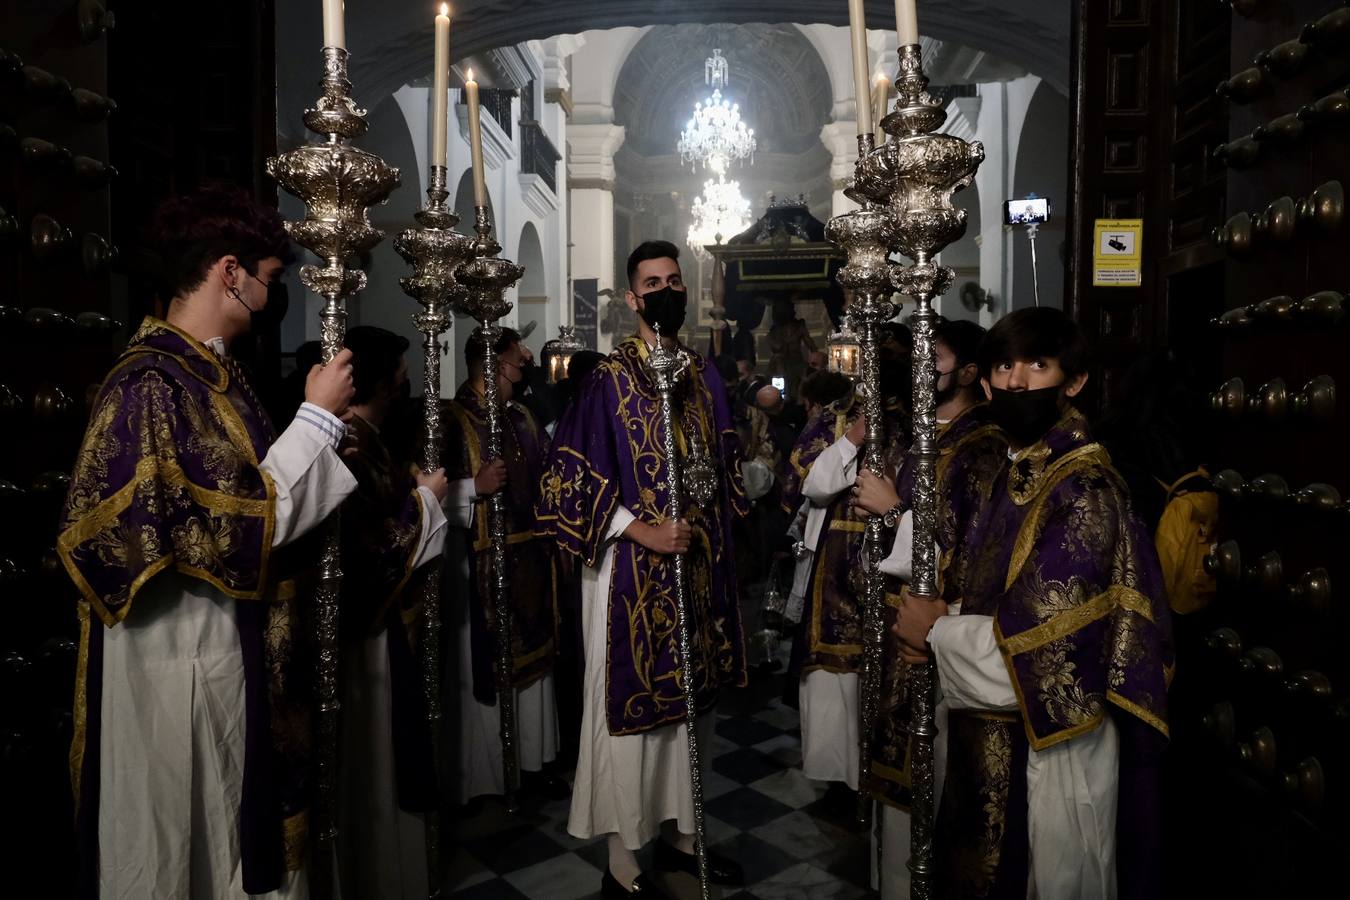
(720, 869)
(643, 887)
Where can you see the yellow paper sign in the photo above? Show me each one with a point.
(1118, 253)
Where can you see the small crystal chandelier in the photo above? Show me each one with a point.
(719, 213)
(716, 137)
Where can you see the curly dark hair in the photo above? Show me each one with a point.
(189, 232)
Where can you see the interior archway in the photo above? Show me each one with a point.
(1042, 168)
(532, 291)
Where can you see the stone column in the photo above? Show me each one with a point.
(590, 189)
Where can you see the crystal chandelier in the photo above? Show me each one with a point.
(716, 137)
(720, 213)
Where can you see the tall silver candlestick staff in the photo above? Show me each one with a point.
(668, 367)
(338, 183)
(915, 174)
(435, 250)
(485, 278)
(866, 235)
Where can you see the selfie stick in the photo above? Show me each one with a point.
(1035, 278)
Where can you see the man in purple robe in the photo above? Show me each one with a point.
(531, 565)
(1054, 674)
(391, 526)
(604, 499)
(192, 715)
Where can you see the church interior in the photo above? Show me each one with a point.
(1193, 155)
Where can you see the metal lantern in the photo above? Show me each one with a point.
(558, 352)
(845, 351)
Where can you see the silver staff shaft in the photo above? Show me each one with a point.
(501, 594)
(485, 279)
(923, 583)
(668, 366)
(333, 319)
(338, 182)
(435, 250)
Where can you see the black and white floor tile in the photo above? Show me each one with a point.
(795, 838)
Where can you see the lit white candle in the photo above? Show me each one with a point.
(480, 194)
(862, 85)
(440, 90)
(881, 92)
(334, 25)
(906, 22)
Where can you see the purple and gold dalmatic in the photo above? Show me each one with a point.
(607, 451)
(830, 636)
(1069, 575)
(818, 434)
(382, 527)
(530, 560)
(168, 479)
(971, 453)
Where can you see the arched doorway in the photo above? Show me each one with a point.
(1042, 168)
(532, 291)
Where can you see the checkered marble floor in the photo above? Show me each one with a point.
(793, 839)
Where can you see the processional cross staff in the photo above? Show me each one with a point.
(338, 182)
(668, 366)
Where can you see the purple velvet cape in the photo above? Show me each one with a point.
(607, 451)
(1069, 574)
(531, 561)
(168, 477)
(971, 454)
(382, 527)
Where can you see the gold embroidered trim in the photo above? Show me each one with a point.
(295, 837)
(1065, 623)
(1138, 712)
(1080, 458)
(81, 708)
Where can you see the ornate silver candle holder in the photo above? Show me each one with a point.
(915, 174)
(338, 183)
(485, 278)
(435, 250)
(867, 235)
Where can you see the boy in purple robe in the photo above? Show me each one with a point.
(971, 453)
(391, 526)
(603, 499)
(531, 565)
(192, 712)
(1054, 673)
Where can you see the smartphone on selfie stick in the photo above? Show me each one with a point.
(1031, 211)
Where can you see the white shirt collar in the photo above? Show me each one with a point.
(217, 346)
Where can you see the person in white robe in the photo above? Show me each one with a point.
(164, 739)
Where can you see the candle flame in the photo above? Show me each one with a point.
(445, 9)
(470, 78)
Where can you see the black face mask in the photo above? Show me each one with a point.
(262, 321)
(663, 310)
(1025, 415)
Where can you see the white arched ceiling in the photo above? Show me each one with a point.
(391, 42)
